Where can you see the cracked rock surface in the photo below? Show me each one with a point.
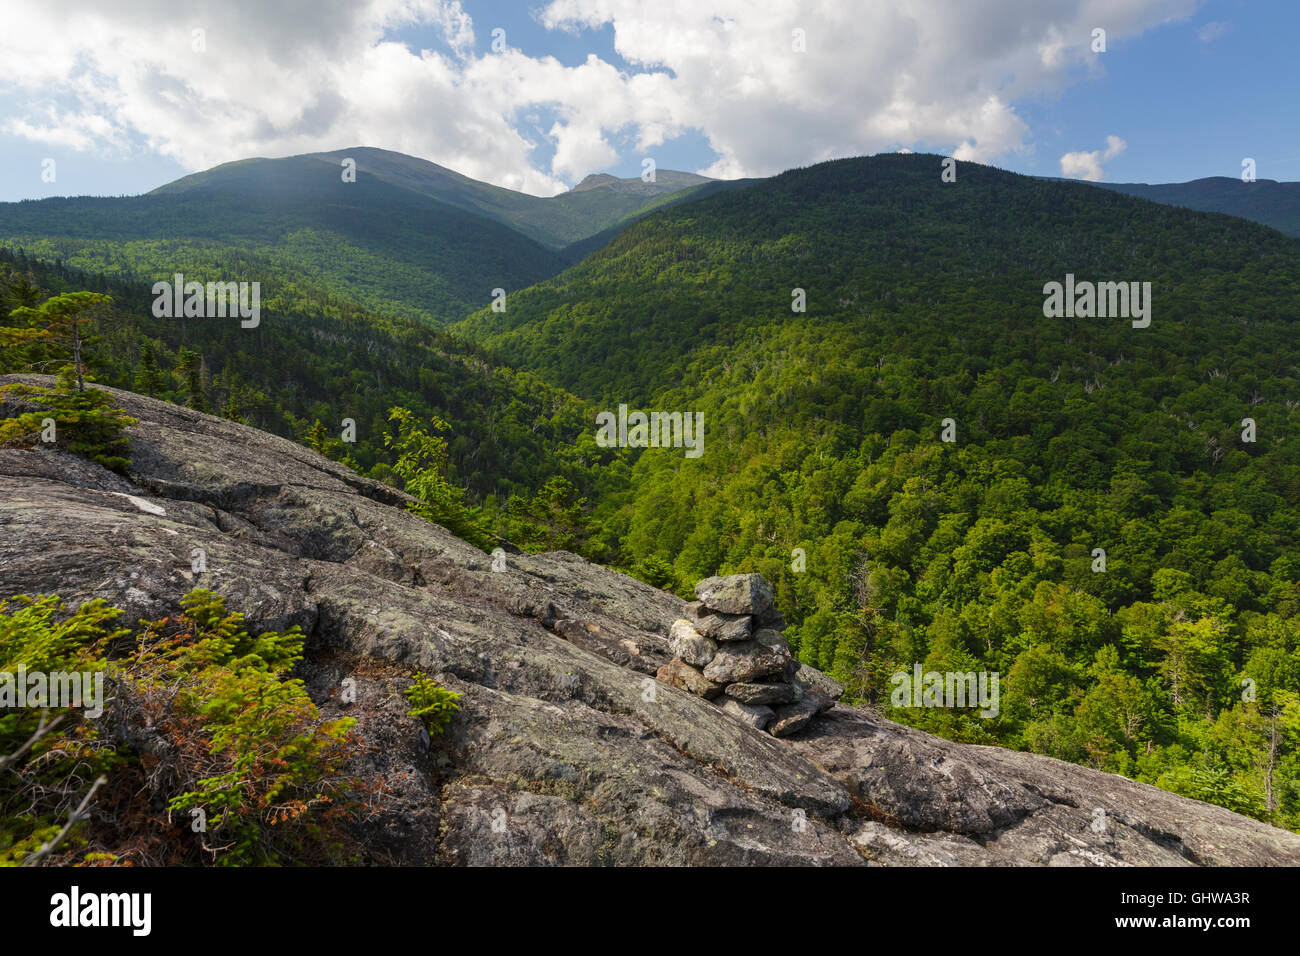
(566, 750)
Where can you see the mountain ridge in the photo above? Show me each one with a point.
(1267, 201)
(407, 237)
(555, 222)
(816, 207)
(392, 250)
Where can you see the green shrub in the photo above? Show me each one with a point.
(432, 703)
(422, 464)
(85, 423)
(203, 724)
(64, 751)
(225, 696)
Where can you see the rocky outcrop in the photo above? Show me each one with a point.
(566, 748)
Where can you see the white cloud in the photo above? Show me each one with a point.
(300, 76)
(1212, 31)
(1088, 165)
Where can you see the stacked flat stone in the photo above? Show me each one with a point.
(729, 647)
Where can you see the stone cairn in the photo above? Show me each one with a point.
(728, 647)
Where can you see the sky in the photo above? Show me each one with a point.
(118, 98)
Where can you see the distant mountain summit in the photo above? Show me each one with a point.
(402, 236)
(595, 204)
(1265, 201)
(665, 181)
(409, 237)
(847, 228)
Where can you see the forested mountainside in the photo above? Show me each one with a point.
(314, 362)
(389, 249)
(1265, 201)
(825, 470)
(593, 205)
(405, 238)
(858, 235)
(1104, 530)
(585, 247)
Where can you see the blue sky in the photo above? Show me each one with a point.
(1186, 108)
(1185, 89)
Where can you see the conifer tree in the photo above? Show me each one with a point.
(149, 377)
(190, 369)
(58, 322)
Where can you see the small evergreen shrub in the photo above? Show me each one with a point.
(210, 752)
(433, 704)
(85, 423)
